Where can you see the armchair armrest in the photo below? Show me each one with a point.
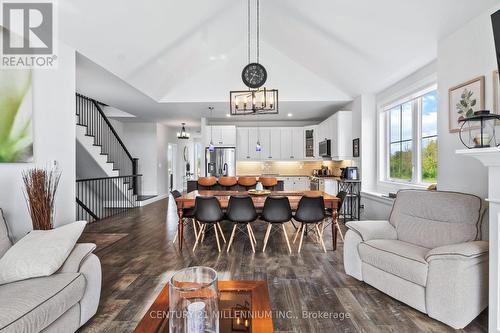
(373, 229)
(77, 256)
(466, 250)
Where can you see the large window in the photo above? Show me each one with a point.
(412, 139)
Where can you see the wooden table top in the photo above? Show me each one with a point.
(152, 322)
(187, 200)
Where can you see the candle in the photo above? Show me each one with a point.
(196, 317)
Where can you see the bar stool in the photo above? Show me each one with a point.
(208, 212)
(311, 210)
(206, 183)
(247, 182)
(187, 214)
(228, 182)
(276, 210)
(329, 214)
(241, 211)
(268, 182)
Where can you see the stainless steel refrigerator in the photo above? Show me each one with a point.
(220, 162)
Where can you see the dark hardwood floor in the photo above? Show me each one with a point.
(137, 266)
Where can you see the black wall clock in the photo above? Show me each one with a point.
(254, 75)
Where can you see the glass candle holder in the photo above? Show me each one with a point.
(194, 301)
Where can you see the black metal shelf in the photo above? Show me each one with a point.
(352, 205)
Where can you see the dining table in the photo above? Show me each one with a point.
(187, 200)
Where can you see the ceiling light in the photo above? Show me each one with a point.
(255, 100)
(289, 115)
(183, 134)
(228, 115)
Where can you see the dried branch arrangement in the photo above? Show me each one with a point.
(40, 186)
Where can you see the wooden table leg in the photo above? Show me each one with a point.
(180, 228)
(334, 229)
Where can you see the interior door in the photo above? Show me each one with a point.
(172, 165)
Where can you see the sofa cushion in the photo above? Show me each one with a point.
(5, 242)
(404, 260)
(39, 253)
(436, 218)
(31, 305)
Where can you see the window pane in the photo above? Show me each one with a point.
(429, 160)
(429, 114)
(395, 123)
(400, 163)
(407, 121)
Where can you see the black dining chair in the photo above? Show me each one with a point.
(241, 211)
(208, 212)
(311, 210)
(277, 211)
(329, 214)
(187, 215)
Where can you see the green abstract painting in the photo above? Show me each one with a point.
(16, 106)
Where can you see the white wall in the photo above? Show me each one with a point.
(464, 55)
(140, 140)
(54, 139)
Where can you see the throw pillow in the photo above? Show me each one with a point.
(39, 253)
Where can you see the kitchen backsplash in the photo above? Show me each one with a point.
(287, 168)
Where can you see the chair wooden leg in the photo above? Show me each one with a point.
(253, 236)
(202, 230)
(340, 231)
(222, 234)
(301, 237)
(194, 228)
(250, 237)
(231, 239)
(286, 238)
(203, 235)
(321, 239)
(266, 238)
(298, 232)
(217, 237)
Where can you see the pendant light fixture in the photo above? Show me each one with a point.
(183, 135)
(257, 99)
(258, 147)
(211, 147)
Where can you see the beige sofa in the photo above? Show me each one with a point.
(62, 302)
(428, 255)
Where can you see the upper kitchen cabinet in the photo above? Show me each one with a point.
(242, 144)
(342, 135)
(270, 140)
(221, 135)
(292, 143)
(310, 142)
(338, 129)
(247, 143)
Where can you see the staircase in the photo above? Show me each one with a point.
(107, 179)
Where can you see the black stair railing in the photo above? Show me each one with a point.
(98, 198)
(90, 115)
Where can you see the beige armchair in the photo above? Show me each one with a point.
(428, 255)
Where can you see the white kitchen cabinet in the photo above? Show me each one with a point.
(221, 135)
(270, 140)
(338, 129)
(242, 144)
(330, 186)
(293, 183)
(342, 138)
(292, 143)
(253, 137)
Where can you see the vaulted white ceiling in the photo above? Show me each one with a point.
(188, 53)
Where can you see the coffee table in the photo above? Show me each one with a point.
(244, 307)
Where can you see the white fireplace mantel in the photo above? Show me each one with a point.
(490, 157)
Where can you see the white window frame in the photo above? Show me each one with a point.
(384, 139)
